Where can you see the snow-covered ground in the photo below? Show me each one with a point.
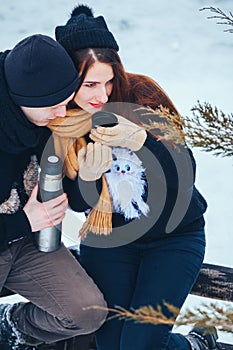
(190, 56)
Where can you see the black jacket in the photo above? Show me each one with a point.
(19, 139)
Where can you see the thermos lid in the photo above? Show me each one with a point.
(53, 166)
(53, 159)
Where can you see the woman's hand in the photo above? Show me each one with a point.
(125, 134)
(94, 160)
(46, 214)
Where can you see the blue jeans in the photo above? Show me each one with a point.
(139, 274)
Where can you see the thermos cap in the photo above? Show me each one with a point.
(53, 159)
(53, 166)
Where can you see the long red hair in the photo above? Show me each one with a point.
(127, 87)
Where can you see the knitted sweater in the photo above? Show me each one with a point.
(19, 140)
(175, 204)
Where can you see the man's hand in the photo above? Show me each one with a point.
(125, 134)
(94, 160)
(46, 214)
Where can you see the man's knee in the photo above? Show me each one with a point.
(87, 314)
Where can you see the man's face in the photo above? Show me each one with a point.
(43, 115)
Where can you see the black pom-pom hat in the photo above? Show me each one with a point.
(83, 30)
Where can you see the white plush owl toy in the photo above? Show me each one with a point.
(126, 184)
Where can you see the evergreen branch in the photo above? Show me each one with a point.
(225, 19)
(210, 129)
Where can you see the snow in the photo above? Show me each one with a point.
(189, 55)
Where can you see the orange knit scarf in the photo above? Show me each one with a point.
(68, 134)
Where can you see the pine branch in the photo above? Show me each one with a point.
(225, 19)
(210, 129)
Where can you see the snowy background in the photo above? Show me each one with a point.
(189, 55)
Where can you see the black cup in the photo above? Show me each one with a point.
(106, 119)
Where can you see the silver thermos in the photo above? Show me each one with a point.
(50, 186)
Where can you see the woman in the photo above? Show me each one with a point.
(143, 242)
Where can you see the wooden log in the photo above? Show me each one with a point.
(215, 282)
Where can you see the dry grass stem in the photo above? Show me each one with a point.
(165, 126)
(206, 315)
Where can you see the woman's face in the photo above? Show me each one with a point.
(96, 88)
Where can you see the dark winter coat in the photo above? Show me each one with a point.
(19, 139)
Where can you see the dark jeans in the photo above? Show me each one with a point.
(137, 275)
(58, 289)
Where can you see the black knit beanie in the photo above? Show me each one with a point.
(83, 30)
(39, 72)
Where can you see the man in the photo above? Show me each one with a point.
(37, 80)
